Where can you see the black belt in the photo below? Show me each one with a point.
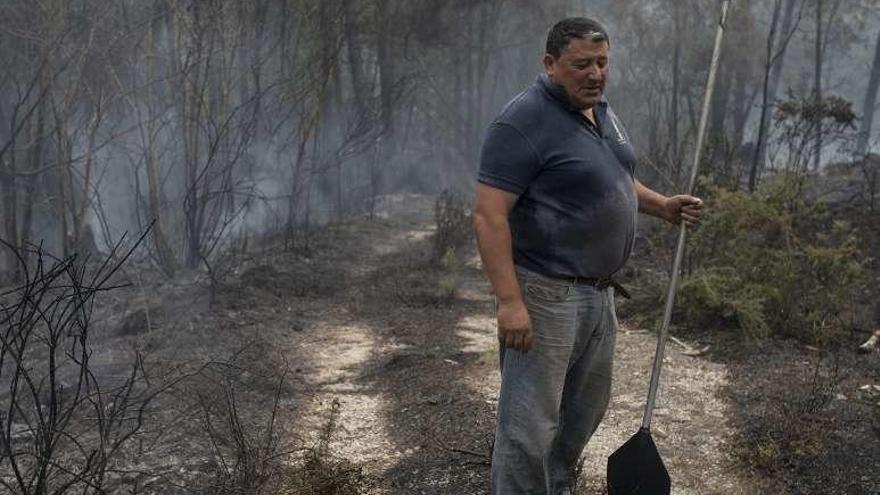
(600, 283)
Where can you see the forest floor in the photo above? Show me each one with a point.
(403, 380)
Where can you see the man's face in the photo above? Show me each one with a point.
(582, 69)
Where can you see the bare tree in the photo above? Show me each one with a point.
(870, 104)
(775, 57)
(825, 19)
(817, 81)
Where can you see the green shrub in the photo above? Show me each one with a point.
(721, 296)
(768, 262)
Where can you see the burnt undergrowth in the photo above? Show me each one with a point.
(119, 397)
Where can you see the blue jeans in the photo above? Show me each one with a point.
(553, 396)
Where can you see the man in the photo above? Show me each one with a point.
(555, 218)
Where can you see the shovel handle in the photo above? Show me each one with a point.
(682, 233)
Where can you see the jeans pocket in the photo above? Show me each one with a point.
(547, 292)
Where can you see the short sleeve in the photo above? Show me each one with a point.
(508, 160)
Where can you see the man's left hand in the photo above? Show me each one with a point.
(683, 207)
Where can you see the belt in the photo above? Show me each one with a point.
(600, 283)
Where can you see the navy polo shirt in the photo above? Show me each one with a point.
(576, 209)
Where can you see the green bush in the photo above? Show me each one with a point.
(768, 262)
(720, 296)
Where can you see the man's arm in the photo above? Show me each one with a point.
(492, 208)
(673, 209)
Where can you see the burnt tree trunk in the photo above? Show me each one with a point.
(676, 89)
(817, 84)
(10, 202)
(764, 118)
(870, 104)
(164, 254)
(36, 162)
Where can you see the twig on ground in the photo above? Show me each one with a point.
(485, 459)
(871, 344)
(688, 349)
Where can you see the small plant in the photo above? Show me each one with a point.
(766, 453)
(246, 447)
(794, 428)
(247, 440)
(451, 276)
(453, 223)
(321, 473)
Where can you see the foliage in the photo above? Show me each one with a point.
(801, 120)
(767, 262)
(721, 294)
(835, 110)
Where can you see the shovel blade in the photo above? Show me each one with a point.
(637, 469)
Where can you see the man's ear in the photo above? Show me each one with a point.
(550, 64)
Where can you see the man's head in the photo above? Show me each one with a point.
(576, 58)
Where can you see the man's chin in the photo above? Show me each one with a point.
(586, 102)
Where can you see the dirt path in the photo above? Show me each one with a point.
(361, 321)
(414, 376)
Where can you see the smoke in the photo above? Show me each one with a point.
(257, 121)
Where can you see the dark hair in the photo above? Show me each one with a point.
(574, 27)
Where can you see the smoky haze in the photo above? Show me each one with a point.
(225, 119)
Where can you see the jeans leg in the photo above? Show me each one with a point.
(531, 390)
(586, 393)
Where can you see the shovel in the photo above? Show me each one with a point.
(636, 468)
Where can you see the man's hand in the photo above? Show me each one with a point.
(673, 209)
(682, 207)
(514, 325)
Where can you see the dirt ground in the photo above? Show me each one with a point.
(361, 320)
